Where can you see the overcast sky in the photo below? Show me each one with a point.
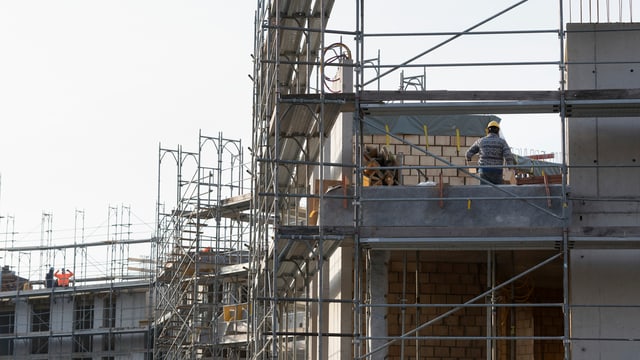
(89, 89)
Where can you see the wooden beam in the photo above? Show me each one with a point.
(541, 156)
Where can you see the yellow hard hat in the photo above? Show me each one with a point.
(493, 123)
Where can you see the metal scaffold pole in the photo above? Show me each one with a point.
(202, 254)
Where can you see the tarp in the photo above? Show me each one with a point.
(436, 125)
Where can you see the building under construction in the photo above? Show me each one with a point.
(373, 239)
(355, 229)
(103, 312)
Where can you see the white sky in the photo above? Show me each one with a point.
(88, 89)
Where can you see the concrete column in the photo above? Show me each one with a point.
(324, 317)
(313, 322)
(319, 322)
(22, 347)
(61, 320)
(338, 146)
(98, 320)
(378, 285)
(341, 314)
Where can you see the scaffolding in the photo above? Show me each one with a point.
(201, 296)
(359, 231)
(340, 269)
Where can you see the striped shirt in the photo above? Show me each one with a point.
(493, 151)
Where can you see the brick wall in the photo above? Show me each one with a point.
(549, 322)
(445, 147)
(437, 283)
(453, 281)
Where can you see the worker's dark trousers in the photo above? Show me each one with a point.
(492, 176)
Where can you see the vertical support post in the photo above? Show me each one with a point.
(491, 310)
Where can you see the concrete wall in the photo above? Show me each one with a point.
(131, 310)
(604, 153)
(604, 276)
(462, 207)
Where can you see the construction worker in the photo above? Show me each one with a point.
(494, 151)
(63, 278)
(49, 280)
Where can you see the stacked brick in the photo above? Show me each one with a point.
(421, 167)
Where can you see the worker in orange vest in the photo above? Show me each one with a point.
(63, 277)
